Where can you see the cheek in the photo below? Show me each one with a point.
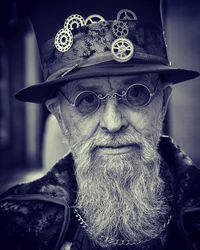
(146, 120)
(79, 128)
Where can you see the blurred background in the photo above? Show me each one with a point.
(30, 140)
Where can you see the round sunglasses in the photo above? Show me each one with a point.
(136, 95)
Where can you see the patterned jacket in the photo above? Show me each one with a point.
(39, 215)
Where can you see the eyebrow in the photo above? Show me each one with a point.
(84, 88)
(130, 80)
(149, 82)
(137, 79)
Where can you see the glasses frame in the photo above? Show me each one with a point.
(123, 94)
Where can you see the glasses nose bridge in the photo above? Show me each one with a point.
(111, 96)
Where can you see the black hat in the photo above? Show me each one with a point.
(81, 39)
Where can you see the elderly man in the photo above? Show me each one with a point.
(124, 185)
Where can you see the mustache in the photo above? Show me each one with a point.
(129, 137)
(113, 144)
(115, 141)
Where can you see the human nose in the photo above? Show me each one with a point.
(112, 119)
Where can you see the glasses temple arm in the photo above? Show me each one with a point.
(65, 97)
(168, 83)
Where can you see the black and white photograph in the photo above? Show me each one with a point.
(99, 125)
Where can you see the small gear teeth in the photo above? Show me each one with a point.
(126, 14)
(120, 29)
(95, 18)
(63, 40)
(122, 50)
(74, 21)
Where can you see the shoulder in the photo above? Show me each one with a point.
(29, 224)
(35, 212)
(185, 172)
(187, 190)
(59, 182)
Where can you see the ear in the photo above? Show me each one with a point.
(53, 105)
(166, 95)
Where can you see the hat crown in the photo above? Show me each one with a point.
(49, 16)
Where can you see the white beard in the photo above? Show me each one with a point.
(120, 196)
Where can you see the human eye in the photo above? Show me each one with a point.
(138, 95)
(86, 102)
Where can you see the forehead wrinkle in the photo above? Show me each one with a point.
(96, 84)
(148, 79)
(69, 86)
(116, 82)
(111, 82)
(120, 82)
(79, 85)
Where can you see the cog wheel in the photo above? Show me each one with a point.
(126, 14)
(95, 18)
(74, 21)
(120, 29)
(63, 40)
(122, 49)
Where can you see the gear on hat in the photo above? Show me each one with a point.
(122, 50)
(94, 19)
(74, 21)
(126, 14)
(63, 40)
(120, 29)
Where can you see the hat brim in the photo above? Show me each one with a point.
(39, 93)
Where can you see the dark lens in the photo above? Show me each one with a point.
(138, 95)
(87, 102)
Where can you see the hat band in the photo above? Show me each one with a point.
(77, 64)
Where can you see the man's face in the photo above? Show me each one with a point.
(111, 117)
(120, 191)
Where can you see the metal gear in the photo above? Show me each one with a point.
(74, 21)
(63, 40)
(122, 49)
(120, 29)
(95, 18)
(126, 14)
